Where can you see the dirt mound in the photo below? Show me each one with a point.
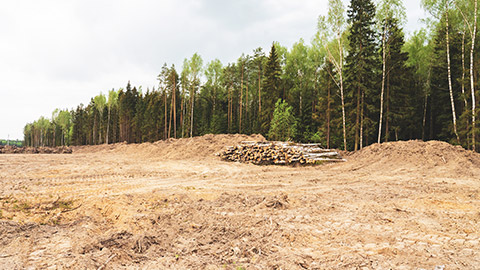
(12, 149)
(186, 148)
(444, 158)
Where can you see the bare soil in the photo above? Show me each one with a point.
(175, 205)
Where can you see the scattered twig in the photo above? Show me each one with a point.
(106, 262)
(71, 209)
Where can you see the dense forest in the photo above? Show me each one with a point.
(360, 81)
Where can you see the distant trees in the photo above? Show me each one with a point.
(360, 81)
(50, 132)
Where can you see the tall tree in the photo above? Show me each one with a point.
(213, 74)
(64, 121)
(112, 101)
(387, 11)
(259, 61)
(271, 88)
(361, 63)
(326, 27)
(442, 7)
(99, 102)
(420, 55)
(195, 67)
(471, 24)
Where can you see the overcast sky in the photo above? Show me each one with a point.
(58, 54)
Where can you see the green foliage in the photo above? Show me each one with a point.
(17, 143)
(342, 65)
(361, 72)
(284, 124)
(271, 88)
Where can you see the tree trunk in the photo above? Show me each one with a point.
(383, 84)
(328, 114)
(387, 122)
(246, 104)
(108, 124)
(343, 114)
(361, 120)
(100, 130)
(114, 130)
(241, 101)
(357, 120)
(94, 128)
(165, 132)
(54, 135)
(463, 66)
(228, 110)
(191, 116)
(170, 121)
(472, 85)
(340, 48)
(424, 117)
(454, 117)
(174, 107)
(259, 97)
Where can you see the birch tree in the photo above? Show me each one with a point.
(195, 65)
(334, 25)
(99, 102)
(471, 25)
(436, 8)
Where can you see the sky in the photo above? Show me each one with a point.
(60, 53)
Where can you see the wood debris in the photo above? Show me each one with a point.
(280, 153)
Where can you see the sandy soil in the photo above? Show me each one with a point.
(175, 205)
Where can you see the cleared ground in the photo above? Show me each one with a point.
(175, 205)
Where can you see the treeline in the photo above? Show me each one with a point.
(358, 82)
(18, 143)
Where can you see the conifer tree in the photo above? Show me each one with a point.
(271, 88)
(360, 69)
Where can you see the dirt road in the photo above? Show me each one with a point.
(175, 205)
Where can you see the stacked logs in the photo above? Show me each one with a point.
(281, 153)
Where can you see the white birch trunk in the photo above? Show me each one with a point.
(454, 118)
(471, 74)
(383, 85)
(340, 71)
(463, 65)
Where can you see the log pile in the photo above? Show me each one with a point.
(281, 153)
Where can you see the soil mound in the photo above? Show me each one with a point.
(186, 148)
(443, 157)
(12, 149)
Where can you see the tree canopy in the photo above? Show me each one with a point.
(361, 80)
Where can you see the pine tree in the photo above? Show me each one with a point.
(401, 121)
(360, 68)
(271, 88)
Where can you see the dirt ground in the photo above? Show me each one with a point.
(175, 205)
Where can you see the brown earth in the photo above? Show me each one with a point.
(13, 149)
(175, 205)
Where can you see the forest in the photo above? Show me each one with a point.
(359, 81)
